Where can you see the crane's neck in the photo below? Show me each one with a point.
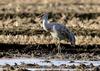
(45, 23)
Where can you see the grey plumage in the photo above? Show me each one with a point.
(58, 31)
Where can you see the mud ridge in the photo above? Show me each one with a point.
(47, 47)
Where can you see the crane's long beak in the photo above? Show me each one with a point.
(40, 16)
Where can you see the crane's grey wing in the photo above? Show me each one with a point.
(61, 30)
(64, 32)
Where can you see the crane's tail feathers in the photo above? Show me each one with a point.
(73, 43)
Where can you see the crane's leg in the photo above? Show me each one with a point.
(59, 47)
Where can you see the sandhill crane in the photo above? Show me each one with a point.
(58, 31)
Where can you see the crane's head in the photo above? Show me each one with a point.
(45, 16)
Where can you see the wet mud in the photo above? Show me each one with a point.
(44, 50)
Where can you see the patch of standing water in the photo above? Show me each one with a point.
(48, 69)
(42, 61)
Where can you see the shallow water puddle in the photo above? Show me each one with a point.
(50, 69)
(43, 62)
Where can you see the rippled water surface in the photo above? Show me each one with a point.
(42, 61)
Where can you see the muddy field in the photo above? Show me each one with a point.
(22, 35)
